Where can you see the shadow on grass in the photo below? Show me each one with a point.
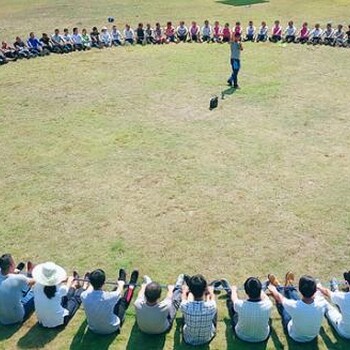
(241, 2)
(139, 340)
(85, 339)
(7, 332)
(37, 337)
(340, 343)
(228, 92)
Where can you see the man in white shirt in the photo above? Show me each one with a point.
(105, 37)
(105, 311)
(328, 35)
(250, 32)
(301, 318)
(250, 318)
(339, 318)
(182, 32)
(207, 32)
(316, 35)
(290, 33)
(77, 40)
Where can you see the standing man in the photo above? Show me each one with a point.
(236, 48)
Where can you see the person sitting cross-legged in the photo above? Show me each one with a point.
(55, 302)
(199, 311)
(301, 318)
(16, 295)
(250, 318)
(152, 315)
(105, 311)
(339, 318)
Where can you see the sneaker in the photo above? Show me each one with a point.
(289, 280)
(147, 279)
(122, 275)
(226, 286)
(333, 284)
(180, 280)
(273, 280)
(265, 285)
(133, 278)
(229, 83)
(30, 267)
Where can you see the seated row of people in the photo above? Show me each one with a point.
(66, 42)
(55, 298)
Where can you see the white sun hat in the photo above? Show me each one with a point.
(49, 274)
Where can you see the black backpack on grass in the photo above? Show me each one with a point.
(214, 101)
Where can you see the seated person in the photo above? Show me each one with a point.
(105, 37)
(34, 45)
(199, 311)
(169, 32)
(328, 35)
(195, 32)
(276, 32)
(68, 40)
(304, 34)
(152, 315)
(77, 40)
(55, 302)
(290, 33)
(9, 52)
(182, 32)
(301, 318)
(85, 39)
(95, 38)
(58, 44)
(207, 32)
(22, 49)
(129, 35)
(46, 42)
(263, 32)
(116, 36)
(217, 32)
(250, 318)
(315, 36)
(140, 34)
(158, 34)
(237, 29)
(339, 36)
(339, 317)
(226, 33)
(105, 311)
(16, 295)
(250, 32)
(149, 34)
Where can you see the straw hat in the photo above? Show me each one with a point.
(49, 274)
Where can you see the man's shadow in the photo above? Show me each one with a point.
(139, 340)
(7, 332)
(37, 337)
(85, 339)
(228, 92)
(340, 343)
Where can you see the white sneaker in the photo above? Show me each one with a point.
(180, 280)
(147, 279)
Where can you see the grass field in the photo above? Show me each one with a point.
(111, 158)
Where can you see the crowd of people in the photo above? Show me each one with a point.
(82, 40)
(46, 290)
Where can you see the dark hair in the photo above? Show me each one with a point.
(74, 29)
(252, 287)
(65, 30)
(5, 262)
(197, 285)
(97, 278)
(307, 286)
(50, 291)
(347, 276)
(153, 292)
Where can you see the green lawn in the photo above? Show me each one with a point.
(111, 158)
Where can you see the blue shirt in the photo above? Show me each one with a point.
(34, 43)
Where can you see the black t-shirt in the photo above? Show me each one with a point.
(45, 41)
(19, 45)
(95, 36)
(348, 34)
(140, 32)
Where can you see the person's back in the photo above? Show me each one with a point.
(11, 308)
(99, 306)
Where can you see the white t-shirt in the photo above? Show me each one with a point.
(129, 34)
(343, 301)
(77, 39)
(263, 30)
(250, 30)
(50, 312)
(290, 31)
(206, 30)
(105, 37)
(253, 320)
(316, 33)
(306, 318)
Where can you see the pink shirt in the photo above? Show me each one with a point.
(304, 32)
(217, 31)
(238, 30)
(226, 32)
(194, 30)
(277, 30)
(170, 31)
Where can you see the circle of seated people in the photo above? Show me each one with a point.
(46, 290)
(76, 41)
